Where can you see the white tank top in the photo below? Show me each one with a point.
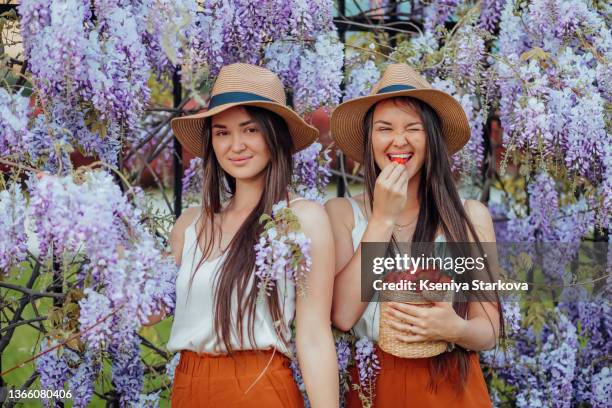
(193, 326)
(367, 325)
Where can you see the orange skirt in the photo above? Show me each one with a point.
(205, 380)
(403, 382)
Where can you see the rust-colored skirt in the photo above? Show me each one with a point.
(205, 380)
(403, 382)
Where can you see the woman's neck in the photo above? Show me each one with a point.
(248, 192)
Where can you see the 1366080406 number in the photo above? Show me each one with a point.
(17, 394)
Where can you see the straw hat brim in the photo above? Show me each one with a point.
(347, 119)
(189, 130)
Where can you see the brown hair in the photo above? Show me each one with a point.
(234, 277)
(440, 206)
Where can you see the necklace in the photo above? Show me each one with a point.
(400, 227)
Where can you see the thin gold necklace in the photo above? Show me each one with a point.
(400, 227)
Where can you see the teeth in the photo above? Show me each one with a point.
(402, 155)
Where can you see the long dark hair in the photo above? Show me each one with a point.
(440, 207)
(235, 277)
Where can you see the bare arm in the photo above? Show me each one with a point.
(389, 199)
(482, 326)
(314, 340)
(347, 305)
(176, 240)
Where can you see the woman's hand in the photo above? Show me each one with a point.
(439, 322)
(390, 193)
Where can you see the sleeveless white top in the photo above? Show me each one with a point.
(193, 327)
(367, 325)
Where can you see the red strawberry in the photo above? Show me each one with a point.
(400, 160)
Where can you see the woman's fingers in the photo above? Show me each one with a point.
(402, 182)
(403, 317)
(395, 175)
(409, 309)
(406, 328)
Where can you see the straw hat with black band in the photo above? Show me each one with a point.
(243, 84)
(398, 80)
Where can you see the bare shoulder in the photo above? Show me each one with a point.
(340, 211)
(477, 211)
(177, 233)
(479, 215)
(308, 211)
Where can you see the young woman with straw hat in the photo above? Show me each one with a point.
(235, 350)
(403, 133)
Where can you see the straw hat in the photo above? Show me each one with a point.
(398, 80)
(243, 84)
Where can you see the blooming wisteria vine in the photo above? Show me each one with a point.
(124, 278)
(282, 252)
(311, 172)
(368, 367)
(541, 66)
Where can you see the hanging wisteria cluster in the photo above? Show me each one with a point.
(368, 367)
(560, 364)
(543, 66)
(311, 172)
(294, 39)
(282, 251)
(13, 245)
(90, 63)
(554, 78)
(123, 278)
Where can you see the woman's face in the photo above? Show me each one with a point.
(398, 135)
(239, 143)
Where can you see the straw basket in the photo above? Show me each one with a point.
(386, 336)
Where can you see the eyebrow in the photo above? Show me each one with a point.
(248, 122)
(388, 123)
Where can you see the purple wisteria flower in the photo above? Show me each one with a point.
(126, 366)
(439, 11)
(344, 355)
(297, 374)
(470, 158)
(469, 53)
(490, 13)
(311, 172)
(369, 367)
(291, 38)
(13, 245)
(551, 100)
(282, 252)
(83, 379)
(171, 366)
(192, 180)
(127, 277)
(602, 388)
(14, 114)
(320, 74)
(57, 366)
(93, 320)
(361, 79)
